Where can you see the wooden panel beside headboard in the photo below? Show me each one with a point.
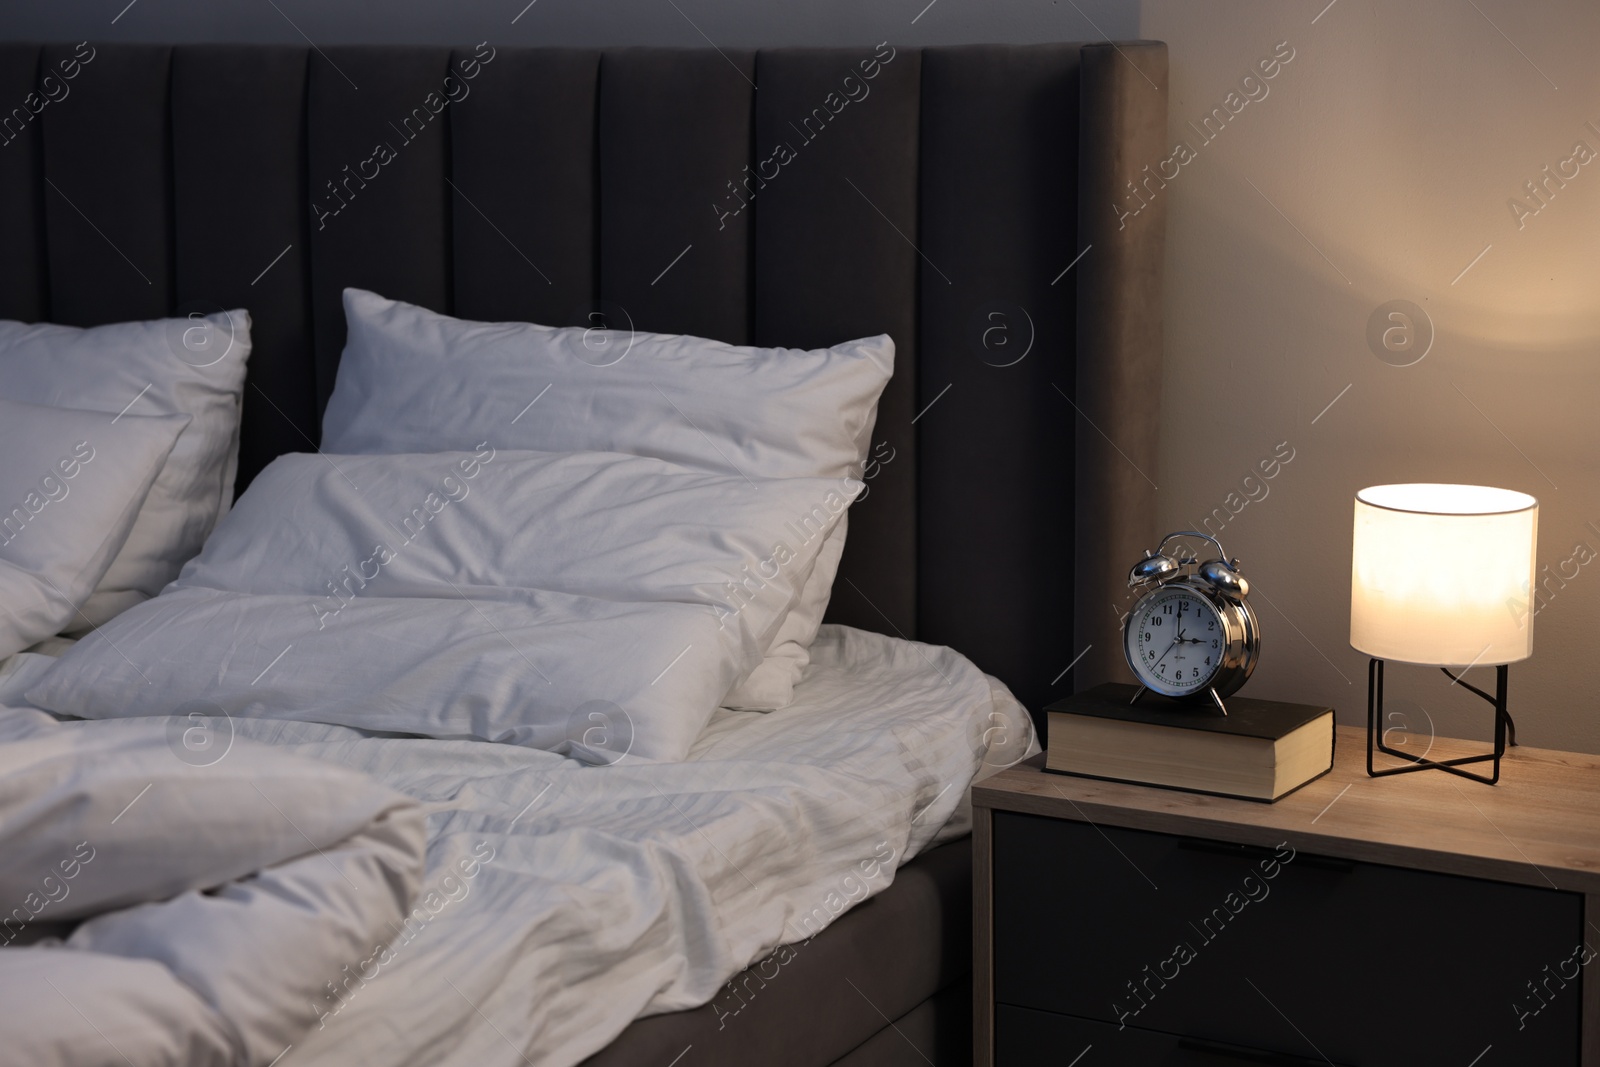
(940, 195)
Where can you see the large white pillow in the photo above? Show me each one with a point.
(412, 380)
(593, 604)
(193, 367)
(70, 486)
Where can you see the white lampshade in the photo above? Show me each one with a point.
(1442, 574)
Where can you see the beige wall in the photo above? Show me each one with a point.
(1382, 157)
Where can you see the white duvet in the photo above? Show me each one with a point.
(562, 901)
(207, 899)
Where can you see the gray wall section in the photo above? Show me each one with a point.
(1379, 165)
(686, 23)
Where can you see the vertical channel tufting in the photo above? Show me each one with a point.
(523, 187)
(22, 100)
(674, 132)
(1123, 128)
(378, 152)
(239, 164)
(929, 195)
(108, 186)
(834, 194)
(999, 203)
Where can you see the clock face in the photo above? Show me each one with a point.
(1175, 641)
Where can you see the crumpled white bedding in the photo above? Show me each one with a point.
(600, 894)
(208, 899)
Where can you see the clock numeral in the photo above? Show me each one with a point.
(1166, 609)
(1213, 642)
(1196, 673)
(1156, 621)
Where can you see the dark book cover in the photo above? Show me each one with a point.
(1271, 720)
(1247, 719)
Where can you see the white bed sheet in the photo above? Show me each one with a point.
(639, 888)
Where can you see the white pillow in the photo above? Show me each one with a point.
(191, 367)
(70, 487)
(412, 380)
(593, 604)
(771, 685)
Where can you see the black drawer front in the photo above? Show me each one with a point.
(1027, 1038)
(1364, 964)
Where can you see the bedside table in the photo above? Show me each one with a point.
(1358, 922)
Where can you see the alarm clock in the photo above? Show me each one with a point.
(1191, 634)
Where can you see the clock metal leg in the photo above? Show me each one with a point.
(1217, 700)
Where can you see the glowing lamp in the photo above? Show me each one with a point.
(1442, 575)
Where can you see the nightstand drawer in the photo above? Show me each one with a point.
(1365, 964)
(1024, 1037)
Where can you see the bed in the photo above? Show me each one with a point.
(989, 208)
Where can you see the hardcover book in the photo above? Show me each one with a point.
(1260, 750)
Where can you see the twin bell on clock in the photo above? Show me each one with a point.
(1191, 634)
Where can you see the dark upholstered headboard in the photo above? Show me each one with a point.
(941, 200)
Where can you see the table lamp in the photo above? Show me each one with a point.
(1442, 575)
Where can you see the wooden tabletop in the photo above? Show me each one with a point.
(1540, 826)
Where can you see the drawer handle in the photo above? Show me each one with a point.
(1301, 859)
(1240, 1054)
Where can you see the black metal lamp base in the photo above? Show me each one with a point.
(1502, 727)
